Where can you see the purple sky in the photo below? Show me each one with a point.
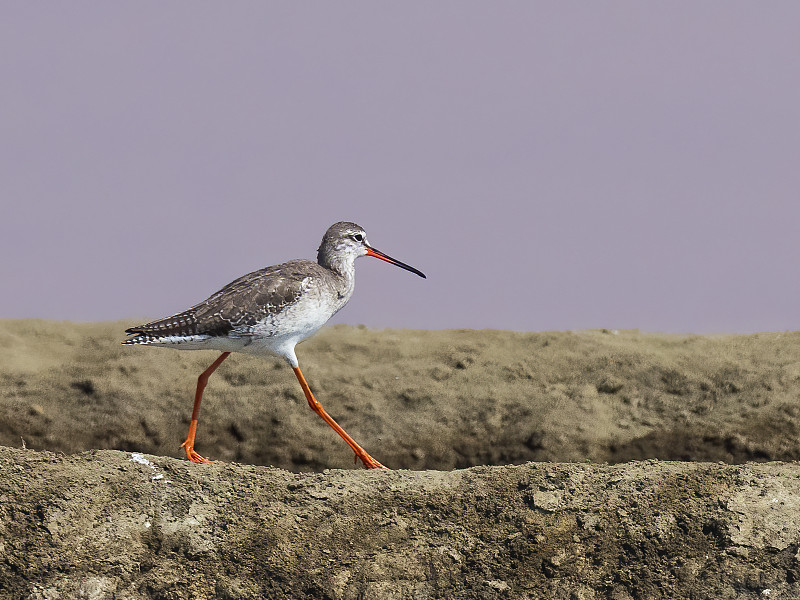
(548, 165)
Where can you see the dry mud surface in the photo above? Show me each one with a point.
(84, 515)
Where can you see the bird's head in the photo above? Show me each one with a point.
(345, 241)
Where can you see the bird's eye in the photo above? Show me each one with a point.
(358, 237)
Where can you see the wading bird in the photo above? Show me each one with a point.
(270, 311)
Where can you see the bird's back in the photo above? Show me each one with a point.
(280, 300)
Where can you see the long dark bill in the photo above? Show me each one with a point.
(378, 254)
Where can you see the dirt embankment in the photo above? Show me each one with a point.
(120, 525)
(108, 524)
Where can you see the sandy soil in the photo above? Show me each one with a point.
(107, 524)
(99, 525)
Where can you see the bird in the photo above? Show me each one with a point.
(268, 312)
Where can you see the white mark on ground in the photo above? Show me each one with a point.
(138, 457)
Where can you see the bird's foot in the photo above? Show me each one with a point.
(192, 455)
(369, 462)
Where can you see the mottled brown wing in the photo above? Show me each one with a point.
(239, 305)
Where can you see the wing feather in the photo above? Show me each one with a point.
(239, 306)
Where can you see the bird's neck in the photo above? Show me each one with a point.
(344, 268)
(343, 280)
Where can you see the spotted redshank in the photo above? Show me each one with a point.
(268, 312)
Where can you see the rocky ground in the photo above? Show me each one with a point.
(590, 518)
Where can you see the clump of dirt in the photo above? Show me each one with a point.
(107, 524)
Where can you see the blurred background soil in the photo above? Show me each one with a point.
(414, 399)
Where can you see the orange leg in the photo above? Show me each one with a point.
(368, 461)
(188, 445)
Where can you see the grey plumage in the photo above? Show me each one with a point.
(292, 300)
(237, 307)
